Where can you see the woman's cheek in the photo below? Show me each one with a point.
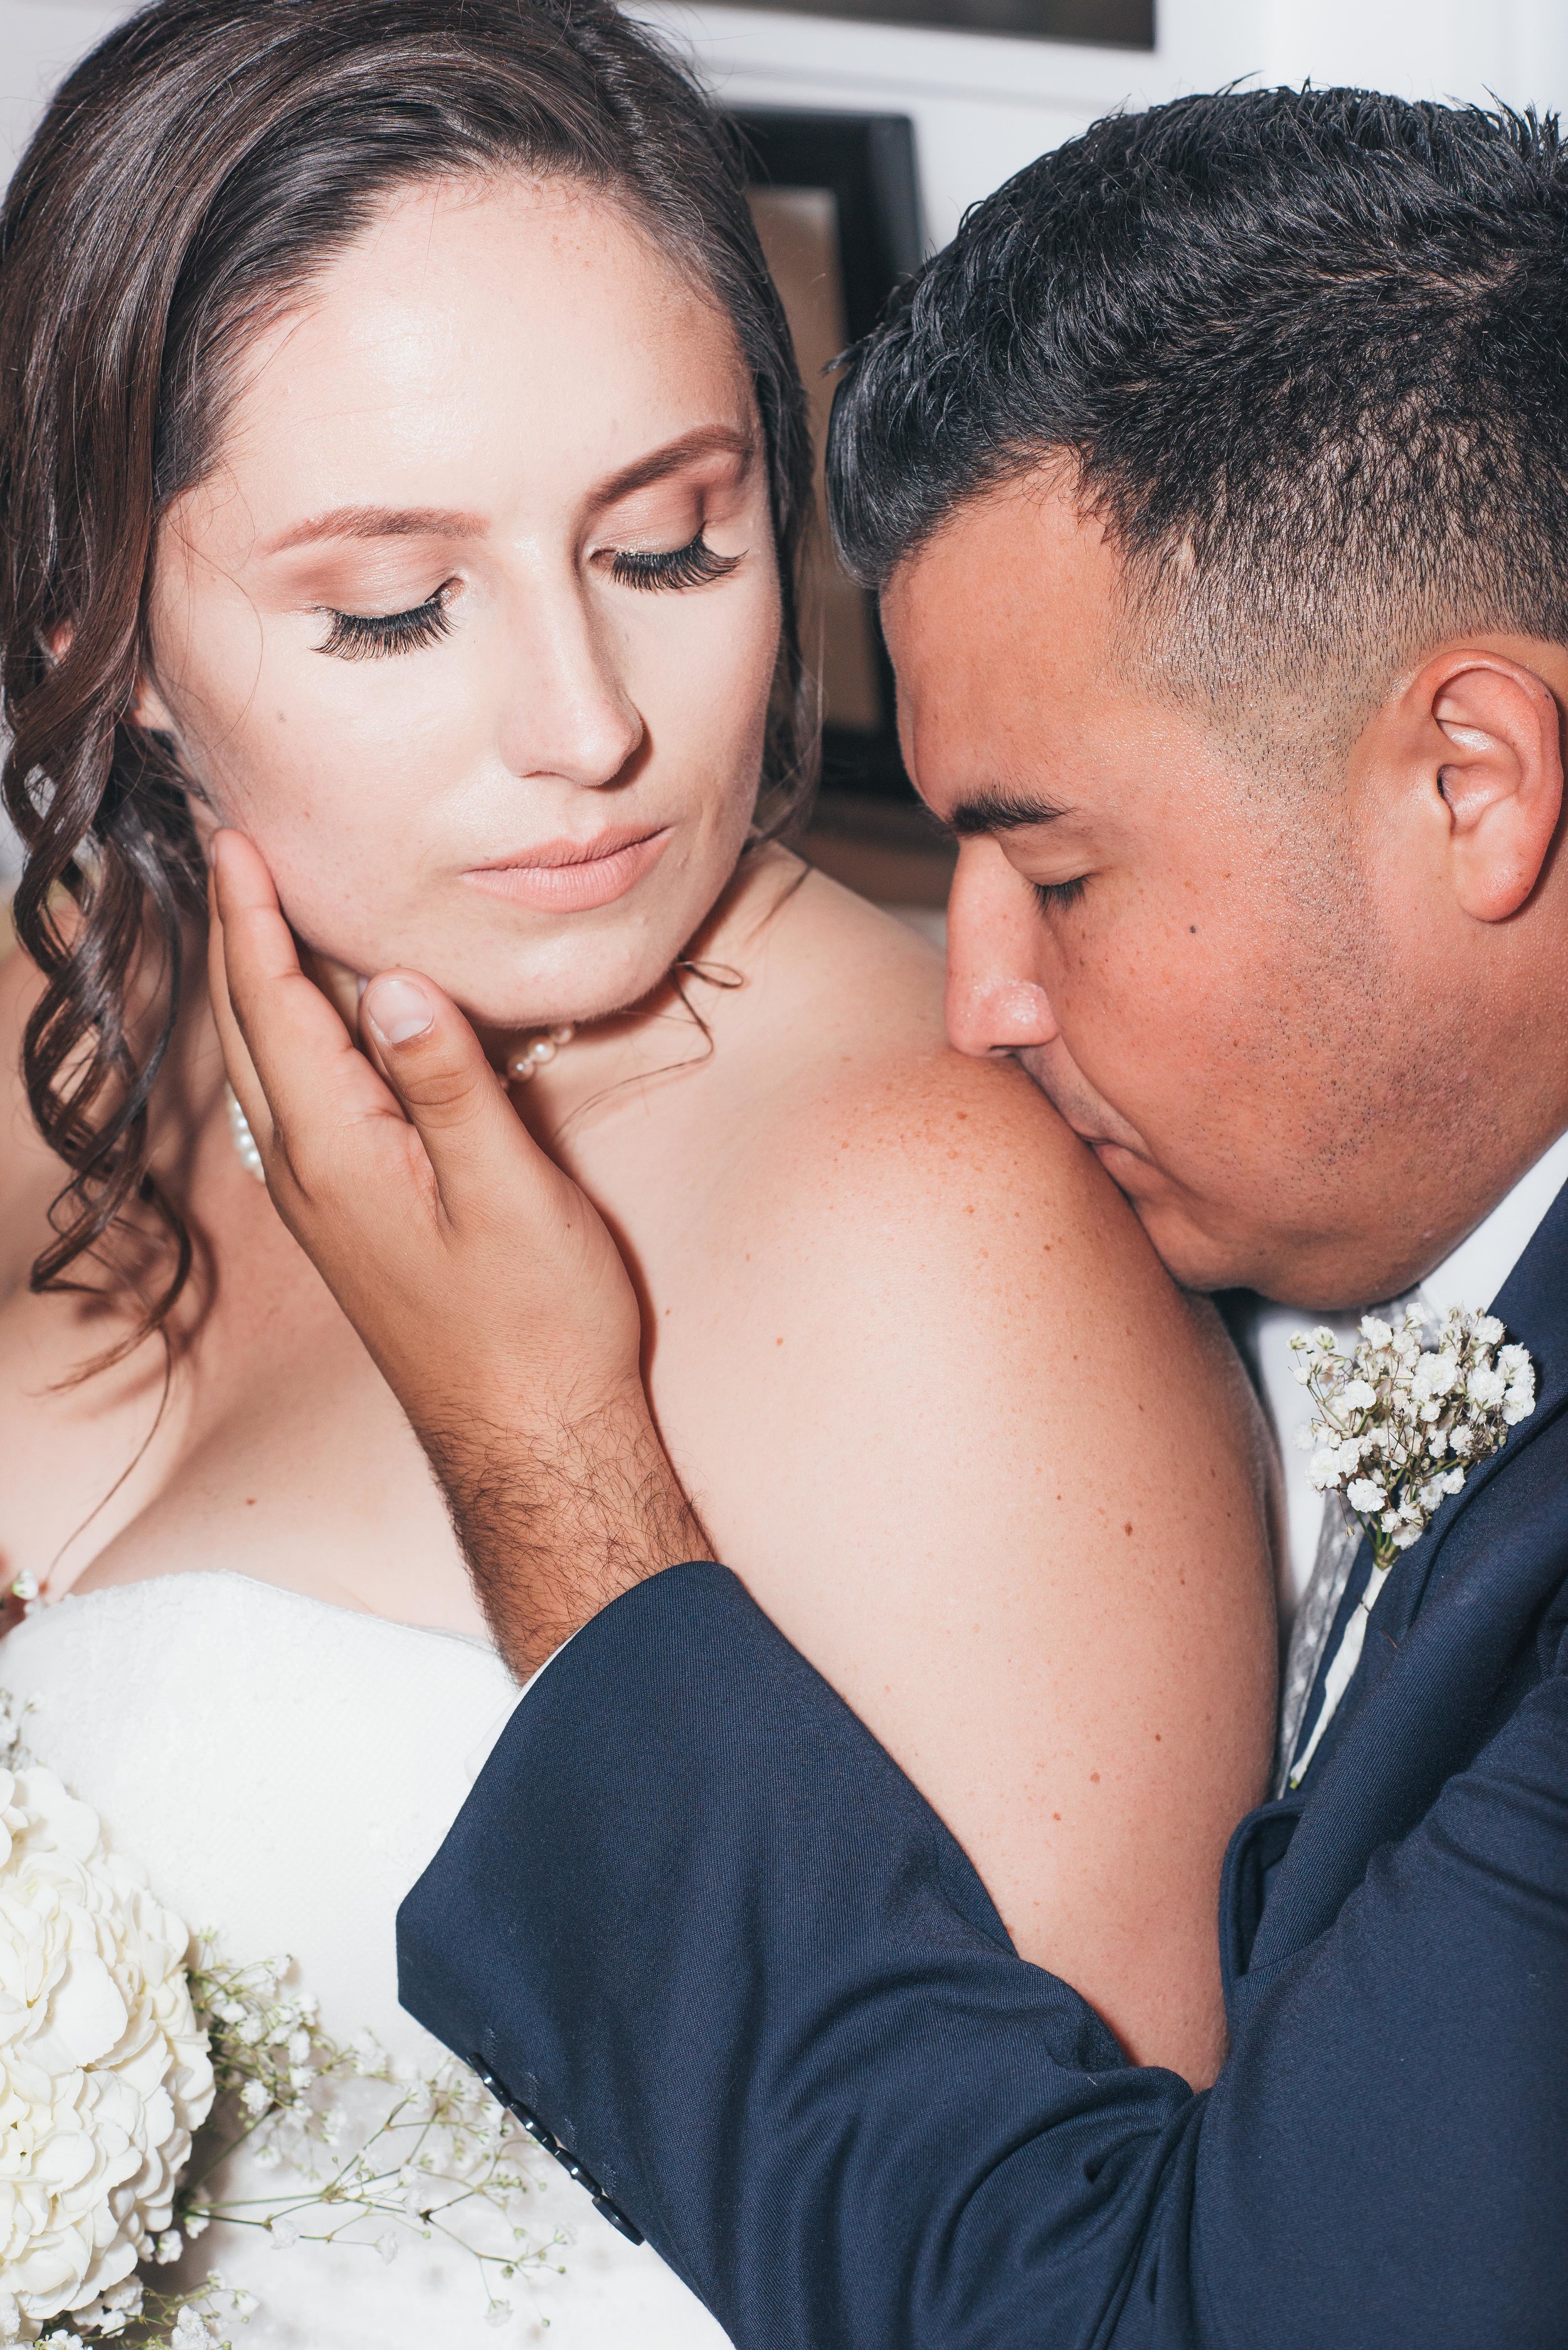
(337, 800)
(703, 679)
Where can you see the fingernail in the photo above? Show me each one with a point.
(396, 1010)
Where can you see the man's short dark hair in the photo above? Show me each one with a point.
(1306, 352)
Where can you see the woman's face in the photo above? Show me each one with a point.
(473, 625)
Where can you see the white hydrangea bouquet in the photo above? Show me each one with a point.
(120, 2035)
(1401, 1423)
(104, 2068)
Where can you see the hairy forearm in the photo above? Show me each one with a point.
(557, 1518)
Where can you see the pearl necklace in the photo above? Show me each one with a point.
(531, 1057)
(245, 1141)
(524, 1062)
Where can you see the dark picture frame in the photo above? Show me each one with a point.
(1099, 24)
(838, 203)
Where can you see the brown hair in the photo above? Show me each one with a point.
(188, 178)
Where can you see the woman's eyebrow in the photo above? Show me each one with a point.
(440, 522)
(380, 522)
(707, 440)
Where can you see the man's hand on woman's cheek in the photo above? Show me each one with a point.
(481, 1280)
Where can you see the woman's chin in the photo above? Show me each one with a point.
(498, 1004)
(577, 968)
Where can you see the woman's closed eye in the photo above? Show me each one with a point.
(366, 635)
(695, 564)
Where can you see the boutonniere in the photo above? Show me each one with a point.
(1401, 1422)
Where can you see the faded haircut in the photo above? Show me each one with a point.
(1303, 352)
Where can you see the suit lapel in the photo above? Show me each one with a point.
(1532, 1305)
(1445, 1636)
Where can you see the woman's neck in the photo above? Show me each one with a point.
(679, 1024)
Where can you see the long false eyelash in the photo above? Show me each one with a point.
(362, 636)
(1055, 897)
(693, 565)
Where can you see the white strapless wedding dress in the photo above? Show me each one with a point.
(284, 1770)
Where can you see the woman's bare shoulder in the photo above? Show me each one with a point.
(994, 1474)
(872, 1124)
(921, 1231)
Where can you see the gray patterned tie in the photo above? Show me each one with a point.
(1338, 1541)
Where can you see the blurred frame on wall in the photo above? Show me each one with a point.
(837, 210)
(1113, 24)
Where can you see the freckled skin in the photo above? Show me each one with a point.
(906, 1343)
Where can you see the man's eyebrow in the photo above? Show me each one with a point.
(1002, 811)
(381, 522)
(707, 440)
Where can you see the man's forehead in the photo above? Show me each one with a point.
(1025, 540)
(1004, 632)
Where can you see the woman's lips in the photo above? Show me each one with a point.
(566, 876)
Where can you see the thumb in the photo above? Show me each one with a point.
(454, 1099)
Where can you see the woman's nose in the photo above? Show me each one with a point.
(568, 713)
(995, 1003)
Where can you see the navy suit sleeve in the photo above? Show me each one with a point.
(698, 1919)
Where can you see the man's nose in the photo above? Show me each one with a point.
(566, 712)
(995, 1003)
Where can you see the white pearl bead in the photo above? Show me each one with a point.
(526, 1060)
(245, 1141)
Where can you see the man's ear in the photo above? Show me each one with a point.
(1494, 731)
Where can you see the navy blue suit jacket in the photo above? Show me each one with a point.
(699, 1924)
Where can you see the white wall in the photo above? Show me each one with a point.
(983, 107)
(39, 40)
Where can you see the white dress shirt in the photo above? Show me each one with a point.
(1470, 1275)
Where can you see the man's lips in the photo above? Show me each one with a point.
(569, 876)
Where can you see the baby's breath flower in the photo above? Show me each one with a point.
(1399, 1405)
(413, 2152)
(1391, 1413)
(370, 2056)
